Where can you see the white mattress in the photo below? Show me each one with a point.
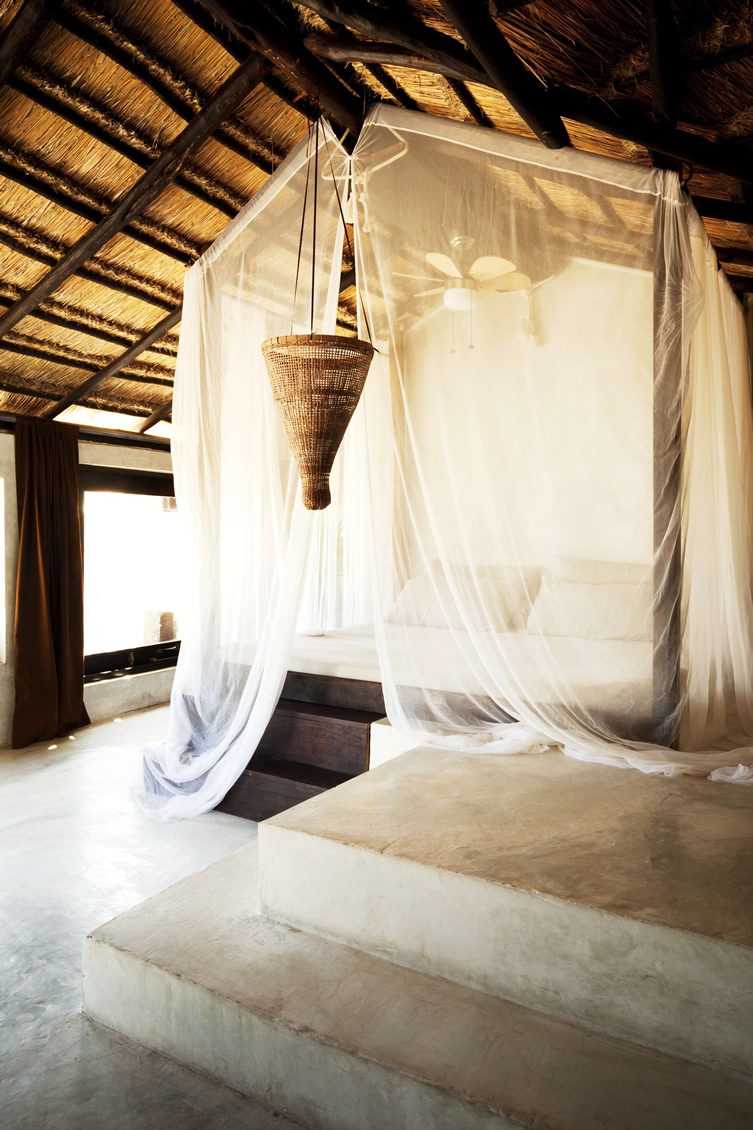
(614, 675)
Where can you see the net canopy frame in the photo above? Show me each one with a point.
(542, 502)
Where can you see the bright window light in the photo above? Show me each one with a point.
(132, 571)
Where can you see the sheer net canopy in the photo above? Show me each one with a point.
(541, 510)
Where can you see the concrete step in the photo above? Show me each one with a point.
(616, 901)
(343, 1040)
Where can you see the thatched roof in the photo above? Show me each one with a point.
(131, 132)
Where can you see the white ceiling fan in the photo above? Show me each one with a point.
(463, 285)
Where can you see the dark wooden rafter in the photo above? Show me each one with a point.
(42, 86)
(27, 346)
(464, 96)
(133, 202)
(67, 316)
(34, 244)
(124, 48)
(161, 413)
(500, 65)
(115, 366)
(238, 50)
(523, 90)
(735, 257)
(287, 53)
(625, 122)
(662, 60)
(62, 189)
(9, 385)
(19, 37)
(387, 81)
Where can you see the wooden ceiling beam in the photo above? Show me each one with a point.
(69, 317)
(146, 189)
(522, 89)
(122, 47)
(78, 109)
(731, 211)
(238, 50)
(464, 96)
(115, 366)
(42, 351)
(34, 244)
(27, 170)
(161, 414)
(20, 36)
(662, 59)
(255, 27)
(733, 258)
(501, 67)
(9, 385)
(590, 110)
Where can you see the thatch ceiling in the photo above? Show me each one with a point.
(131, 132)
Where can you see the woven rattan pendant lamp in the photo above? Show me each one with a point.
(317, 380)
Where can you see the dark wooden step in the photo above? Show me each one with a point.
(331, 737)
(329, 690)
(270, 786)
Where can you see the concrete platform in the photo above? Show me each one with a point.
(601, 896)
(343, 1040)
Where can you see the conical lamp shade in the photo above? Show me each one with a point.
(317, 380)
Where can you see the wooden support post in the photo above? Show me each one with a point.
(667, 454)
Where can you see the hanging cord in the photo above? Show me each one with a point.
(313, 226)
(347, 240)
(300, 236)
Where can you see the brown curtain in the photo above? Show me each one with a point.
(49, 621)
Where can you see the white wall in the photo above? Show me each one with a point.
(111, 697)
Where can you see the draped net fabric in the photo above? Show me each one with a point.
(565, 554)
(258, 564)
(542, 506)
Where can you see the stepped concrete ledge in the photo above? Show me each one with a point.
(602, 896)
(342, 1040)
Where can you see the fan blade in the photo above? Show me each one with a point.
(421, 278)
(443, 263)
(488, 267)
(514, 281)
(426, 293)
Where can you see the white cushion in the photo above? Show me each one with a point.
(595, 572)
(593, 611)
(475, 603)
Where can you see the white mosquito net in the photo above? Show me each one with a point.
(568, 557)
(258, 564)
(542, 504)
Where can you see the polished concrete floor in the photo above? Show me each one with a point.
(74, 852)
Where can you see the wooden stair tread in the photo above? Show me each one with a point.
(333, 713)
(298, 771)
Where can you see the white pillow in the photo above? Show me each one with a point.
(593, 611)
(595, 572)
(484, 604)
